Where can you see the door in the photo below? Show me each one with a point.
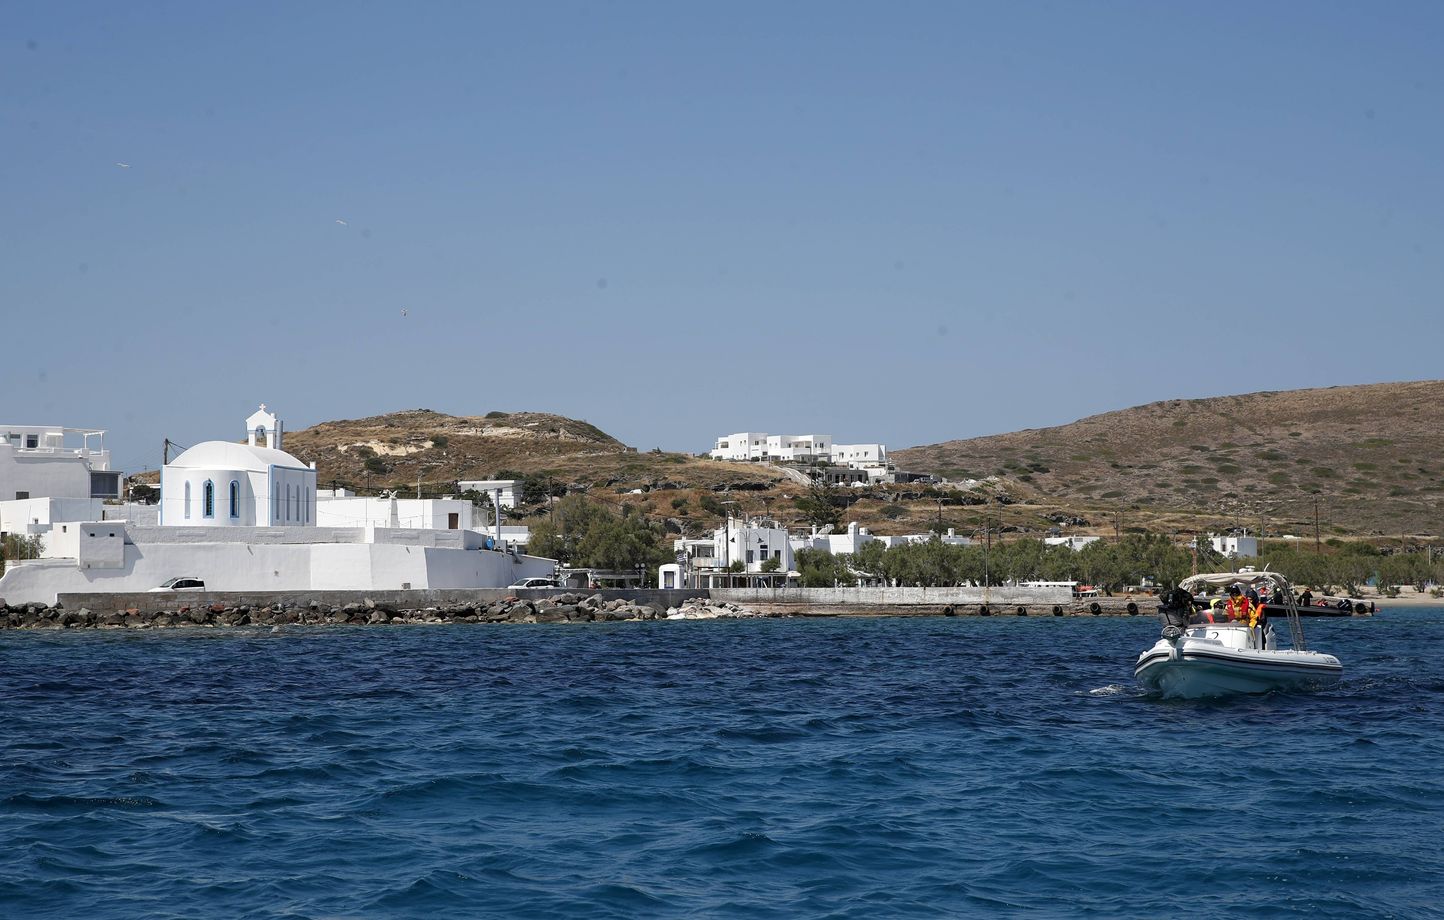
(453, 521)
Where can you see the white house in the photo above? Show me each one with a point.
(502, 491)
(1234, 547)
(49, 461)
(801, 448)
(752, 543)
(225, 484)
(782, 448)
(855, 538)
(1074, 543)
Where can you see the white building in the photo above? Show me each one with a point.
(243, 517)
(414, 513)
(1234, 547)
(781, 448)
(801, 448)
(701, 562)
(854, 538)
(225, 484)
(1074, 543)
(116, 556)
(48, 461)
(502, 491)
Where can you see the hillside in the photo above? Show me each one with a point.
(1373, 456)
(394, 450)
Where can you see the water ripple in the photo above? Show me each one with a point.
(859, 768)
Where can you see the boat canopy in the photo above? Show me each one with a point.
(1274, 580)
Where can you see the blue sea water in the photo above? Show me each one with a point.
(772, 768)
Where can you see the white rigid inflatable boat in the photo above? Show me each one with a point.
(1197, 658)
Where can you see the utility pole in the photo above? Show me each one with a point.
(1317, 547)
(987, 543)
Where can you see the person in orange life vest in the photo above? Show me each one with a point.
(1238, 605)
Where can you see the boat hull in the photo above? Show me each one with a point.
(1195, 671)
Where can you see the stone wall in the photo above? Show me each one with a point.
(151, 601)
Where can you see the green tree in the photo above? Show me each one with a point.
(18, 546)
(821, 569)
(823, 504)
(869, 557)
(560, 534)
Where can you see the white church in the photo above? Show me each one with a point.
(225, 484)
(243, 518)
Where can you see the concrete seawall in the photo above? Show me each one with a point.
(898, 601)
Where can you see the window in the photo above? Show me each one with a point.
(749, 556)
(275, 502)
(21, 495)
(188, 502)
(288, 501)
(208, 500)
(235, 499)
(32, 441)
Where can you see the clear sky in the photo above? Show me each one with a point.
(904, 222)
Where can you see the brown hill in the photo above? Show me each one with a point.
(1372, 455)
(394, 450)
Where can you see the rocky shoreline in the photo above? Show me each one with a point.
(562, 608)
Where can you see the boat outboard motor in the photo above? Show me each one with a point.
(1176, 609)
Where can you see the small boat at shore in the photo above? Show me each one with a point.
(1201, 654)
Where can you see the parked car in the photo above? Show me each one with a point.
(534, 583)
(184, 583)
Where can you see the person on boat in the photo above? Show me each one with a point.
(1238, 604)
(1258, 619)
(1306, 598)
(1216, 612)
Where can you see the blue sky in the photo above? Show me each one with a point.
(897, 222)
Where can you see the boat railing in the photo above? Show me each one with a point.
(1296, 626)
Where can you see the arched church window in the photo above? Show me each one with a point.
(188, 502)
(208, 500)
(235, 499)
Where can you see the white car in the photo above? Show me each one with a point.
(184, 583)
(534, 583)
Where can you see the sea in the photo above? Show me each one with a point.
(868, 767)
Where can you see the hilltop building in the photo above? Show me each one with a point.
(1234, 547)
(1074, 543)
(759, 446)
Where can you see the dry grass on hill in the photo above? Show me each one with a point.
(1372, 455)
